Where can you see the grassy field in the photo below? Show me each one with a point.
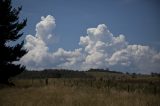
(101, 90)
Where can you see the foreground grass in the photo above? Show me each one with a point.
(60, 95)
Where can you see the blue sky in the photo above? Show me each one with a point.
(137, 20)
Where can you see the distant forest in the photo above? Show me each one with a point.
(65, 73)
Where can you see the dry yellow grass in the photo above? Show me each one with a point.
(60, 95)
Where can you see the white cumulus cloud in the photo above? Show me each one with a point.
(39, 56)
(99, 49)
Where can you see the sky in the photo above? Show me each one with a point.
(123, 35)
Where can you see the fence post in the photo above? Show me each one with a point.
(46, 81)
(91, 83)
(155, 89)
(128, 88)
(108, 85)
(32, 81)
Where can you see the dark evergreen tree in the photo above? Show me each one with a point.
(10, 28)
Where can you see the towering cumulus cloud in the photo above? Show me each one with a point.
(99, 49)
(39, 56)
